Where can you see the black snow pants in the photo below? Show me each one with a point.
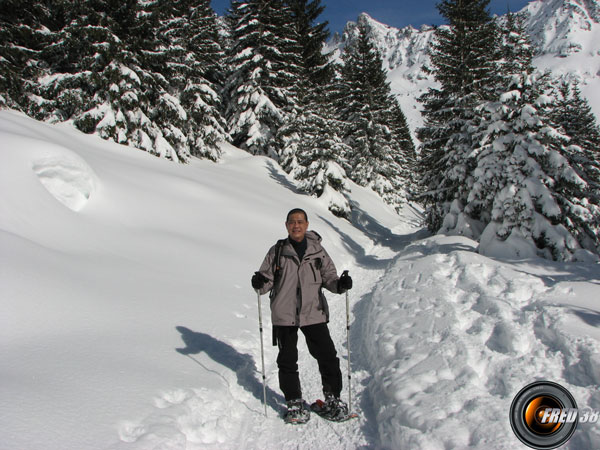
(320, 346)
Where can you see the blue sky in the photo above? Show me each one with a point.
(396, 13)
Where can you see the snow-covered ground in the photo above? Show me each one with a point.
(128, 321)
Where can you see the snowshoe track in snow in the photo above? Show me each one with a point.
(441, 346)
(206, 417)
(466, 335)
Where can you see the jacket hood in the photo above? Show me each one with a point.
(313, 236)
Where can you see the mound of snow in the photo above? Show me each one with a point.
(512, 248)
(66, 176)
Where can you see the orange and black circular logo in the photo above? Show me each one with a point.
(543, 415)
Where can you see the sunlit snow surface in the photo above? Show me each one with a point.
(128, 320)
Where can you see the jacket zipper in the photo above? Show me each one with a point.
(298, 296)
(298, 299)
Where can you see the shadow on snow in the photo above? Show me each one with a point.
(224, 354)
(379, 235)
(275, 172)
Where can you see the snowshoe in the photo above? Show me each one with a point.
(333, 409)
(296, 413)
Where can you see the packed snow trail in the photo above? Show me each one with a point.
(228, 412)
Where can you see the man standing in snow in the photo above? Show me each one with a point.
(295, 270)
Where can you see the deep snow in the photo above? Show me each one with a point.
(129, 322)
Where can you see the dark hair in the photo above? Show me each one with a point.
(296, 211)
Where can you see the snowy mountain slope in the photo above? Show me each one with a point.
(404, 53)
(566, 34)
(128, 320)
(564, 27)
(145, 258)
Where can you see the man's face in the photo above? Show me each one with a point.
(296, 226)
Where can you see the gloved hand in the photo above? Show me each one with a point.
(345, 282)
(258, 280)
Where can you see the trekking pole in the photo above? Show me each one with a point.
(262, 352)
(348, 347)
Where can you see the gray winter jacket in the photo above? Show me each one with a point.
(298, 299)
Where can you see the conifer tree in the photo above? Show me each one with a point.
(515, 61)
(311, 139)
(190, 54)
(516, 51)
(524, 174)
(573, 114)
(525, 188)
(463, 63)
(108, 76)
(311, 35)
(22, 37)
(202, 92)
(264, 69)
(405, 159)
(312, 93)
(320, 153)
(125, 85)
(138, 73)
(76, 55)
(375, 158)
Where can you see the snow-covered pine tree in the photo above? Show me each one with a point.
(405, 159)
(530, 173)
(130, 102)
(573, 114)
(161, 56)
(23, 34)
(190, 56)
(76, 55)
(315, 71)
(525, 191)
(320, 153)
(463, 63)
(111, 36)
(202, 94)
(312, 35)
(515, 59)
(264, 67)
(106, 69)
(368, 112)
(516, 51)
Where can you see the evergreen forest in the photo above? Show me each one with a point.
(504, 153)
